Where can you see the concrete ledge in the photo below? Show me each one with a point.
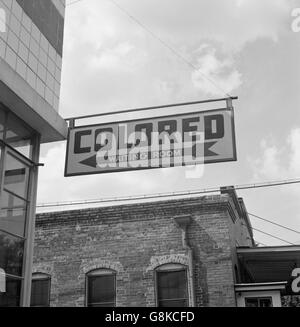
(17, 95)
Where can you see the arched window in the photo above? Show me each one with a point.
(101, 288)
(172, 286)
(40, 290)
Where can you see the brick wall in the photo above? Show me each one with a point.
(135, 239)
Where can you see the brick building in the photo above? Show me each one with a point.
(167, 252)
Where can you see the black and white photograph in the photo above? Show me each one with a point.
(149, 157)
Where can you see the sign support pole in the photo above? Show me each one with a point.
(72, 120)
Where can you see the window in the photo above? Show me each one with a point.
(40, 290)
(258, 302)
(19, 136)
(14, 195)
(11, 253)
(13, 213)
(172, 289)
(101, 288)
(19, 145)
(2, 123)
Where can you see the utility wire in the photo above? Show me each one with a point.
(163, 195)
(173, 194)
(180, 56)
(165, 44)
(204, 191)
(271, 235)
(273, 223)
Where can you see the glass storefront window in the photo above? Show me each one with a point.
(16, 176)
(2, 123)
(12, 296)
(19, 144)
(12, 214)
(16, 133)
(18, 136)
(11, 254)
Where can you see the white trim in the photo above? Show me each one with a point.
(293, 248)
(260, 287)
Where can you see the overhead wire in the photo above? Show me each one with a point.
(191, 65)
(172, 194)
(271, 235)
(120, 199)
(164, 43)
(274, 223)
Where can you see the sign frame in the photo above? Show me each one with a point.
(118, 170)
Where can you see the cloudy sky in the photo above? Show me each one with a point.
(247, 47)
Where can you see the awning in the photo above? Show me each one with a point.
(268, 264)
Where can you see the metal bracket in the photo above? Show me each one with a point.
(39, 165)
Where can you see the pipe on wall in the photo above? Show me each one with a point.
(183, 222)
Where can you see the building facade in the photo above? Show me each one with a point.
(175, 252)
(31, 44)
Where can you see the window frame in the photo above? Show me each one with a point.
(259, 298)
(9, 117)
(171, 267)
(42, 277)
(100, 272)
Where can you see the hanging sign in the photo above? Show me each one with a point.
(159, 142)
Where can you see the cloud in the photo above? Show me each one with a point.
(279, 204)
(232, 23)
(294, 142)
(269, 165)
(112, 63)
(120, 57)
(122, 65)
(53, 187)
(279, 162)
(215, 76)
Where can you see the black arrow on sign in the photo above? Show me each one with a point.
(91, 162)
(207, 151)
